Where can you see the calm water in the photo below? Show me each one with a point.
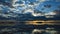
(29, 29)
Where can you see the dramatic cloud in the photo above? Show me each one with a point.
(25, 6)
(50, 15)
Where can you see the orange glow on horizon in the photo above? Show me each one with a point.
(42, 22)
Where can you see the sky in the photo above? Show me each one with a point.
(12, 8)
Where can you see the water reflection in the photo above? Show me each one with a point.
(47, 31)
(34, 31)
